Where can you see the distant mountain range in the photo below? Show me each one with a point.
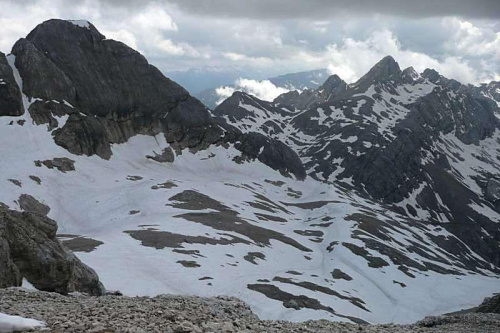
(198, 79)
(293, 81)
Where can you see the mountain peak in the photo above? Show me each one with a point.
(331, 83)
(434, 76)
(410, 75)
(332, 87)
(386, 69)
(431, 74)
(65, 29)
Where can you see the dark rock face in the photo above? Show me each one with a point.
(273, 153)
(110, 93)
(490, 305)
(493, 191)
(410, 75)
(247, 111)
(10, 97)
(434, 77)
(167, 155)
(30, 204)
(45, 112)
(385, 70)
(85, 69)
(62, 164)
(332, 87)
(300, 100)
(9, 273)
(30, 249)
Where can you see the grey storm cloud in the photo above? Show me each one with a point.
(323, 9)
(271, 37)
(320, 9)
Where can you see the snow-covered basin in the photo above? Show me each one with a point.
(95, 201)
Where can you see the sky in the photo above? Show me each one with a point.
(460, 39)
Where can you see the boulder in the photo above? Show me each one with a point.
(30, 204)
(29, 248)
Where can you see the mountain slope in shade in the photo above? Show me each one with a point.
(159, 195)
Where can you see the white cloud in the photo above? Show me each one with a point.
(354, 58)
(122, 35)
(243, 59)
(156, 18)
(234, 56)
(261, 35)
(320, 26)
(263, 89)
(223, 93)
(152, 25)
(472, 40)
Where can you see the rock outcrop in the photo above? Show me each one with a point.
(490, 305)
(29, 249)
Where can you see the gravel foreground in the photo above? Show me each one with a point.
(167, 313)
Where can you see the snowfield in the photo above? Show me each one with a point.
(256, 230)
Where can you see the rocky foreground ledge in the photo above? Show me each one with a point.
(167, 313)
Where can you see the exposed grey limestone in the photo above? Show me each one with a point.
(29, 204)
(31, 250)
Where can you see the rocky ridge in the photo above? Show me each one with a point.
(422, 144)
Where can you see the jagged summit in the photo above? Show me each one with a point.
(58, 28)
(333, 82)
(242, 107)
(434, 77)
(332, 87)
(385, 70)
(410, 75)
(83, 62)
(431, 74)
